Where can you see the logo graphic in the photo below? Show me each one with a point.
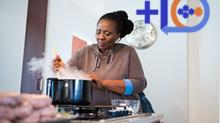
(177, 13)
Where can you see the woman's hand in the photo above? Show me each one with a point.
(97, 81)
(57, 64)
(117, 86)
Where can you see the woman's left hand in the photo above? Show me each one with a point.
(97, 81)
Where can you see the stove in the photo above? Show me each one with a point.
(92, 112)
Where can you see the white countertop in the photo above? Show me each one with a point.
(136, 118)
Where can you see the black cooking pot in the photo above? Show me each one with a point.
(69, 91)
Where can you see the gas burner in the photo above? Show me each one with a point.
(94, 112)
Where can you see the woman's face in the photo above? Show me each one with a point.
(106, 34)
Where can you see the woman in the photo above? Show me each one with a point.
(115, 67)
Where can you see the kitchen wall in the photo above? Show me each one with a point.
(12, 35)
(182, 70)
(203, 69)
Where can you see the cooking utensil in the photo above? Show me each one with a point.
(55, 54)
(69, 91)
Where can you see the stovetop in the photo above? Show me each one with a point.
(96, 112)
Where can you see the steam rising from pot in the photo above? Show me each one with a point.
(72, 73)
(38, 65)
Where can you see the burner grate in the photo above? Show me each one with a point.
(94, 112)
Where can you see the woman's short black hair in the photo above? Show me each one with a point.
(124, 25)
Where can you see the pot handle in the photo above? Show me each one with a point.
(40, 84)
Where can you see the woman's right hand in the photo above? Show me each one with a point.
(57, 64)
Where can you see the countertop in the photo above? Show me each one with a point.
(137, 118)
